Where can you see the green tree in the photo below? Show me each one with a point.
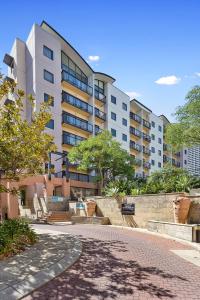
(186, 132)
(104, 155)
(24, 146)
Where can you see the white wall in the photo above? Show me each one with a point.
(118, 110)
(155, 144)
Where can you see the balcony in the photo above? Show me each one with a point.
(67, 98)
(146, 137)
(146, 151)
(135, 132)
(146, 165)
(71, 139)
(176, 163)
(81, 177)
(76, 82)
(100, 114)
(135, 146)
(166, 147)
(146, 124)
(77, 122)
(99, 96)
(135, 117)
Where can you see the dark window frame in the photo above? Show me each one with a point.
(48, 51)
(48, 73)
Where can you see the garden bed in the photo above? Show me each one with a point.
(15, 236)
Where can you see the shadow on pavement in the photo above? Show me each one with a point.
(102, 273)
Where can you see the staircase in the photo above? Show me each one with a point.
(59, 216)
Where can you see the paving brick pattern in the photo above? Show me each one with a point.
(122, 264)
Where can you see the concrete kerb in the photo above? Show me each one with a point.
(166, 236)
(32, 282)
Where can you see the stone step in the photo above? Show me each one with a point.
(59, 216)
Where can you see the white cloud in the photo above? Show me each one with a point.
(93, 57)
(133, 94)
(197, 74)
(168, 80)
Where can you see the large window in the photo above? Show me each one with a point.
(48, 76)
(70, 67)
(99, 86)
(77, 122)
(48, 52)
(71, 139)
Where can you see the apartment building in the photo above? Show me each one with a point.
(169, 156)
(85, 102)
(190, 160)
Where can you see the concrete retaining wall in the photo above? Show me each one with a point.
(181, 231)
(147, 207)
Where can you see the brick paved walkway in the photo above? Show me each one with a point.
(122, 264)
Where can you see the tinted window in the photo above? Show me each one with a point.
(113, 99)
(153, 124)
(113, 116)
(50, 124)
(124, 106)
(124, 137)
(159, 141)
(152, 149)
(159, 152)
(49, 98)
(124, 122)
(48, 76)
(159, 128)
(48, 52)
(153, 162)
(159, 165)
(153, 136)
(113, 132)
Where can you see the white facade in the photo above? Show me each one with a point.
(190, 160)
(156, 144)
(121, 127)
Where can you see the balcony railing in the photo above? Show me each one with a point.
(76, 82)
(138, 162)
(135, 146)
(146, 137)
(67, 98)
(135, 132)
(166, 147)
(167, 159)
(71, 139)
(146, 124)
(135, 117)
(146, 151)
(77, 122)
(146, 165)
(81, 177)
(99, 96)
(100, 114)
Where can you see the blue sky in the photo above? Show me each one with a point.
(136, 41)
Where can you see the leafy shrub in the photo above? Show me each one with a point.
(15, 235)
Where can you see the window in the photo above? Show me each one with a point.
(113, 99)
(185, 151)
(124, 122)
(113, 116)
(48, 76)
(153, 162)
(159, 164)
(153, 149)
(160, 128)
(159, 141)
(48, 52)
(50, 124)
(49, 98)
(185, 162)
(113, 132)
(124, 106)
(153, 124)
(159, 152)
(124, 137)
(153, 136)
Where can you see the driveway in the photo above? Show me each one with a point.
(123, 264)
